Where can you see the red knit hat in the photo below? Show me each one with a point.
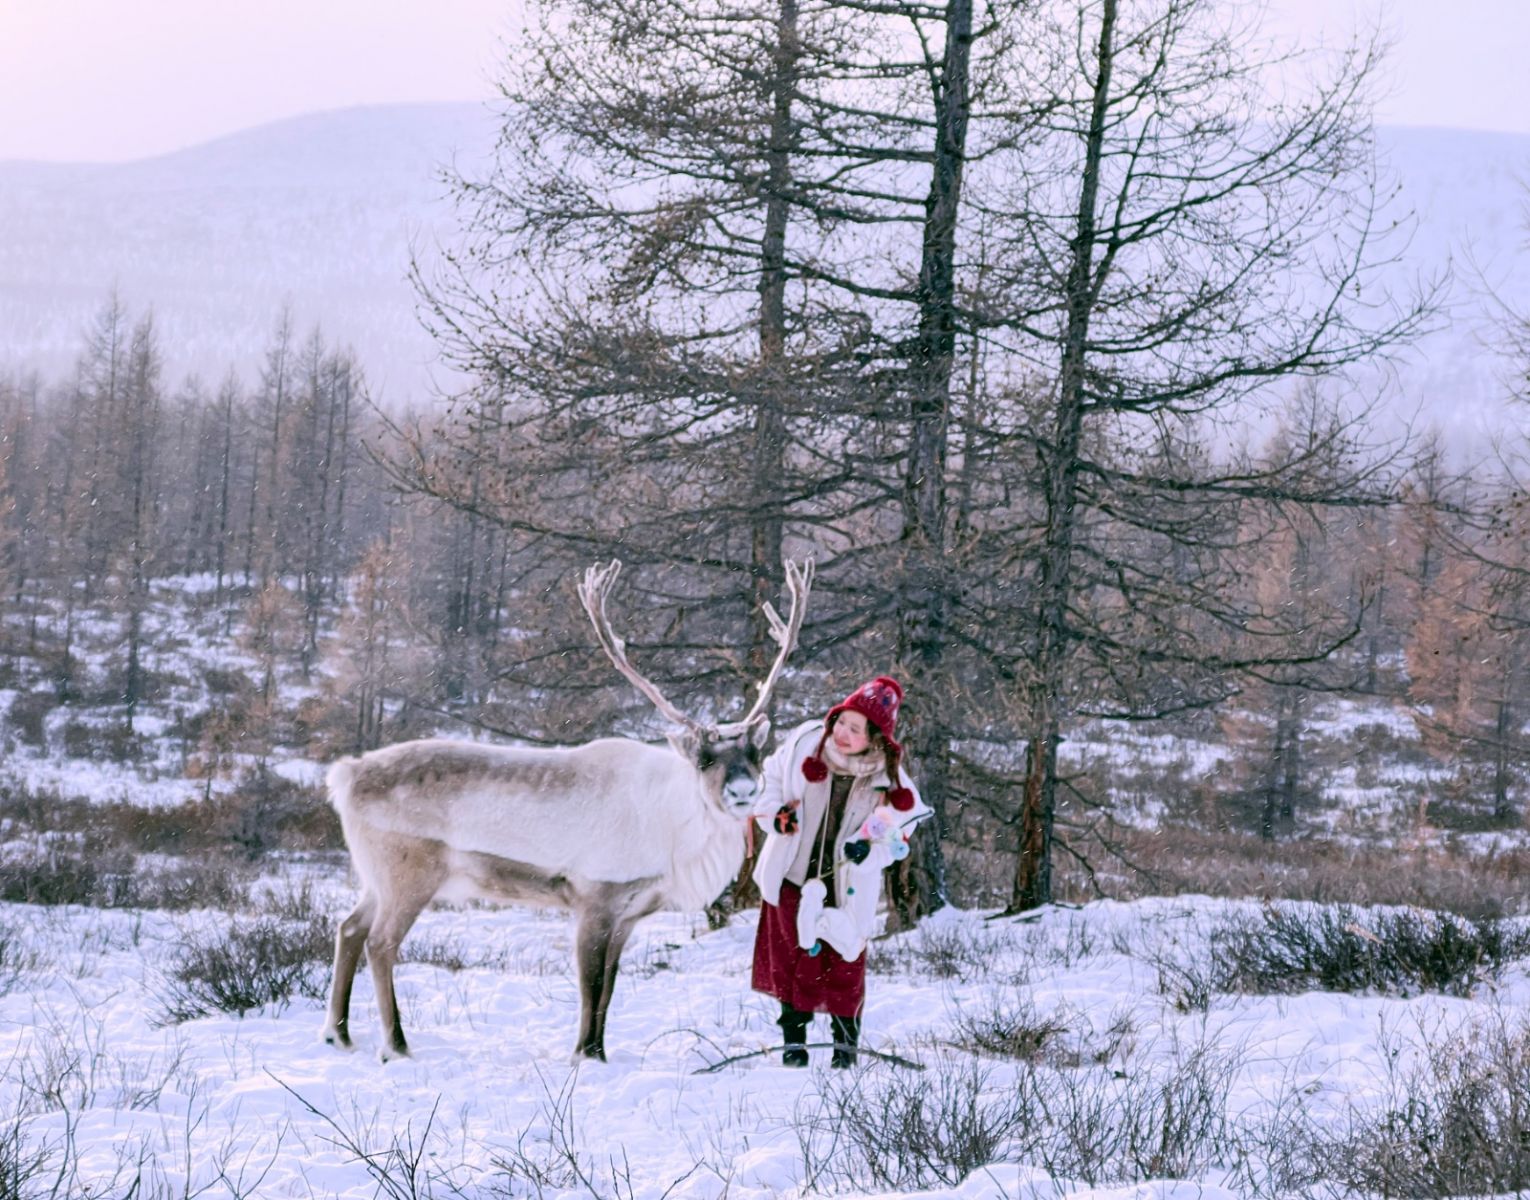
(878, 702)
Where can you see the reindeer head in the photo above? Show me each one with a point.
(730, 764)
(729, 758)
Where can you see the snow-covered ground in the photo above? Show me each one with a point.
(118, 1099)
(490, 1104)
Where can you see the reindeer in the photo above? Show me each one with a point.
(612, 830)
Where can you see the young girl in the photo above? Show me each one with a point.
(837, 809)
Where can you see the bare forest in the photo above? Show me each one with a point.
(1037, 326)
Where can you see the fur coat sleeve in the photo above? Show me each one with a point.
(783, 784)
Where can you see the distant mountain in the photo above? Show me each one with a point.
(321, 211)
(1468, 192)
(318, 211)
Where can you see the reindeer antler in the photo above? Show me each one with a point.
(593, 590)
(799, 583)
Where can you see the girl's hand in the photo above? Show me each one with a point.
(785, 820)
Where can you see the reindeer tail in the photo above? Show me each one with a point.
(338, 779)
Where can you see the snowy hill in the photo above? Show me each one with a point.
(1467, 192)
(318, 211)
(321, 210)
(1072, 1056)
(167, 909)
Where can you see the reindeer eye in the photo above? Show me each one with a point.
(705, 758)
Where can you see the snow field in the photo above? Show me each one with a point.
(489, 1103)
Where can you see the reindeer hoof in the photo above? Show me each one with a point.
(389, 1053)
(337, 1038)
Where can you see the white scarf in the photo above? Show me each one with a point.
(862, 768)
(868, 762)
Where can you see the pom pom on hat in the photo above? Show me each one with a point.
(814, 769)
(901, 798)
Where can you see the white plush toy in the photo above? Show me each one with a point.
(849, 927)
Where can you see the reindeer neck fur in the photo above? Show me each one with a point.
(708, 854)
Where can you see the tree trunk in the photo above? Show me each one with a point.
(918, 885)
(1033, 867)
(769, 451)
(225, 471)
(143, 432)
(337, 536)
(250, 521)
(1290, 767)
(1503, 810)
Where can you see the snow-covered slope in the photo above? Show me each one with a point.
(1466, 192)
(321, 210)
(1127, 1091)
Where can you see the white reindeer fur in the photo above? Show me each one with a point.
(612, 830)
(638, 812)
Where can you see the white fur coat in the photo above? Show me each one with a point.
(851, 922)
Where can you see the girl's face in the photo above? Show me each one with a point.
(850, 733)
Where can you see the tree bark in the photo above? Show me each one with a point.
(769, 430)
(1033, 867)
(1503, 810)
(919, 885)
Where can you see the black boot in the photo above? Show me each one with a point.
(847, 1035)
(794, 1024)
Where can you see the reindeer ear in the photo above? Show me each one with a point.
(686, 743)
(760, 734)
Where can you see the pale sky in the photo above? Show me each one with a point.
(111, 80)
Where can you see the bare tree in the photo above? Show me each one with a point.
(139, 499)
(1182, 240)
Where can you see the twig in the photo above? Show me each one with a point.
(891, 1058)
(1032, 915)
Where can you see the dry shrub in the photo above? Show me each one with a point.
(1342, 949)
(86, 871)
(108, 740)
(267, 812)
(264, 814)
(54, 874)
(1454, 1121)
(27, 1167)
(454, 953)
(1189, 861)
(18, 959)
(1103, 1125)
(245, 966)
(179, 884)
(1005, 1023)
(958, 951)
(907, 1130)
(1008, 1025)
(28, 716)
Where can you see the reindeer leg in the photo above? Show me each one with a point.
(388, 933)
(349, 940)
(592, 943)
(618, 943)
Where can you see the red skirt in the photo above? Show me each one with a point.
(822, 982)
